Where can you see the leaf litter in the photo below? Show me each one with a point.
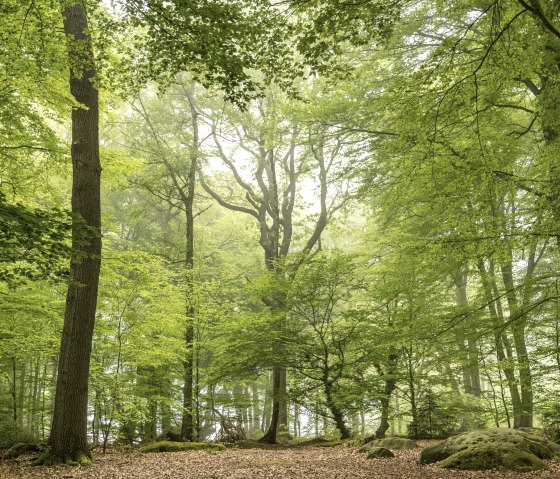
(339, 462)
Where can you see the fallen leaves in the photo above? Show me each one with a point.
(310, 463)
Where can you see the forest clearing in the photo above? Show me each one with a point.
(233, 231)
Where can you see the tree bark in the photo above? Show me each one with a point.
(272, 431)
(68, 440)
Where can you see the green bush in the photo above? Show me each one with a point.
(168, 446)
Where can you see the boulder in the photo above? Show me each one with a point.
(502, 449)
(485, 457)
(393, 443)
(375, 451)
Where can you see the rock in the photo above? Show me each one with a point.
(502, 449)
(393, 443)
(486, 457)
(375, 451)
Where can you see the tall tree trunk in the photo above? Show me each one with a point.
(187, 429)
(68, 440)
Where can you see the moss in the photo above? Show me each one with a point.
(79, 460)
(50, 459)
(486, 457)
(168, 446)
(502, 449)
(509, 438)
(375, 452)
(393, 443)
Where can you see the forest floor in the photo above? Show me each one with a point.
(339, 462)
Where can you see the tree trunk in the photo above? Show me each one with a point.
(519, 341)
(267, 405)
(337, 415)
(390, 386)
(187, 429)
(255, 401)
(497, 325)
(68, 438)
(467, 343)
(271, 433)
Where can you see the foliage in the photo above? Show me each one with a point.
(34, 243)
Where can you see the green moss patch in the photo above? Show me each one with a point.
(169, 446)
(376, 452)
(392, 443)
(494, 457)
(502, 449)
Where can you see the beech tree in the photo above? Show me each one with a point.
(281, 160)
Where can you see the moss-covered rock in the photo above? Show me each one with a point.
(375, 451)
(489, 457)
(503, 449)
(169, 446)
(393, 443)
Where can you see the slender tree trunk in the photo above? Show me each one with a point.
(33, 425)
(497, 325)
(267, 405)
(68, 438)
(412, 396)
(256, 413)
(518, 329)
(13, 392)
(187, 429)
(467, 343)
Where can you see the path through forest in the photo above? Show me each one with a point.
(310, 463)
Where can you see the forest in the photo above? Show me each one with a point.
(297, 230)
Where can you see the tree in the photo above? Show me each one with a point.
(176, 152)
(325, 330)
(281, 157)
(68, 438)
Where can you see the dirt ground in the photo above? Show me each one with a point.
(309, 463)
